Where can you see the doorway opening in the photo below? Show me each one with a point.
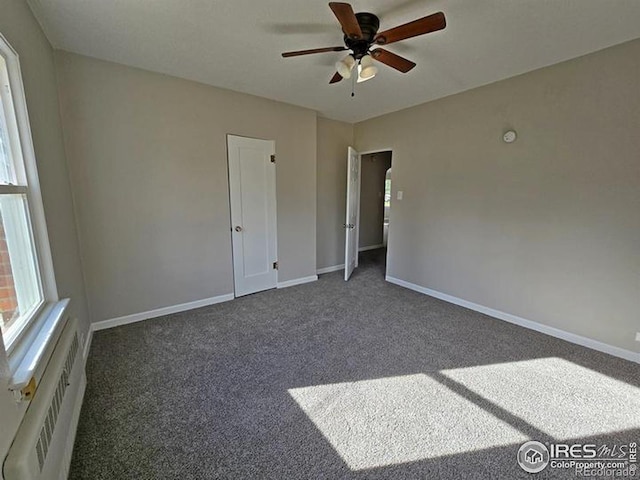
(375, 210)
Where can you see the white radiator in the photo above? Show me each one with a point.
(43, 445)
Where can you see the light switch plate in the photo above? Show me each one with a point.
(399, 195)
(637, 336)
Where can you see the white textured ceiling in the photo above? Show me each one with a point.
(237, 44)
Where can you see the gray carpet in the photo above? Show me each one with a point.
(341, 380)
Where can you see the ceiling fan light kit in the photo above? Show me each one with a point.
(345, 66)
(366, 70)
(361, 33)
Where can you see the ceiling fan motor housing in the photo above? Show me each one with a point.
(369, 24)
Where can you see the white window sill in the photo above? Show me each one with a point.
(29, 358)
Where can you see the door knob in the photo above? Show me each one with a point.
(238, 228)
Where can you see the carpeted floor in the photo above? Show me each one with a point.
(334, 380)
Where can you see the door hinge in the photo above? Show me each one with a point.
(275, 265)
(273, 159)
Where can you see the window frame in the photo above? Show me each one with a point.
(28, 184)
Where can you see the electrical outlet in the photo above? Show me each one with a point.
(400, 195)
(637, 336)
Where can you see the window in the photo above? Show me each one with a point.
(387, 193)
(23, 239)
(387, 190)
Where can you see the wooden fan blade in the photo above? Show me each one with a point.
(431, 23)
(314, 50)
(336, 78)
(346, 17)
(394, 61)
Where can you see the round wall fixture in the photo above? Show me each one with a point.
(510, 136)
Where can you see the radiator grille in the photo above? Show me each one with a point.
(42, 447)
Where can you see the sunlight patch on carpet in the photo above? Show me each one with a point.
(556, 396)
(389, 421)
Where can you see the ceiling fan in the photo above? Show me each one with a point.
(361, 33)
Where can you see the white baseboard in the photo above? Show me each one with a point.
(371, 247)
(530, 324)
(87, 343)
(335, 268)
(138, 317)
(297, 281)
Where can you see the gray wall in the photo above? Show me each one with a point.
(36, 60)
(546, 228)
(373, 170)
(148, 162)
(333, 139)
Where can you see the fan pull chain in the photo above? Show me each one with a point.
(353, 85)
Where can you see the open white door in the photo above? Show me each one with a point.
(252, 193)
(353, 213)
